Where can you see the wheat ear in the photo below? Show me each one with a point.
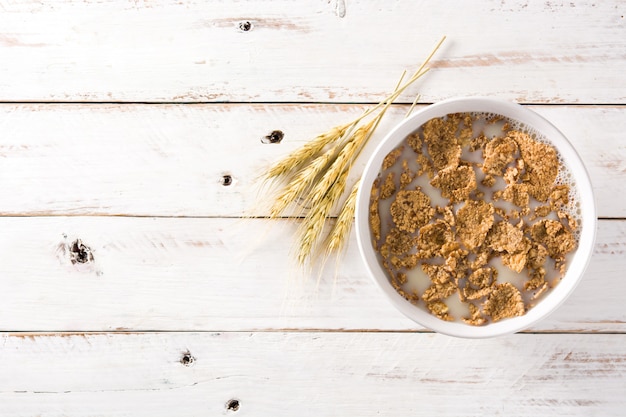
(341, 230)
(313, 224)
(343, 160)
(310, 149)
(329, 190)
(301, 155)
(303, 181)
(333, 183)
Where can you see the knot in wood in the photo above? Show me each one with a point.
(226, 180)
(275, 137)
(187, 359)
(80, 253)
(232, 405)
(245, 26)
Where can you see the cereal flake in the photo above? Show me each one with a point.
(474, 220)
(505, 301)
(411, 210)
(455, 183)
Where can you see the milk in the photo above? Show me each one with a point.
(417, 280)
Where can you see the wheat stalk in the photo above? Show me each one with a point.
(298, 157)
(339, 233)
(317, 175)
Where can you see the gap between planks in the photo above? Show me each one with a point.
(69, 333)
(280, 103)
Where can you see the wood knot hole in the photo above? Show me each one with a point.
(275, 137)
(80, 253)
(232, 405)
(245, 26)
(187, 359)
(226, 180)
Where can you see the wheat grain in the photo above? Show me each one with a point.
(313, 224)
(343, 160)
(327, 192)
(301, 182)
(341, 230)
(303, 154)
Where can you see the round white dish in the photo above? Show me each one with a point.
(577, 266)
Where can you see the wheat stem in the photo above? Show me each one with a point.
(399, 90)
(298, 157)
(408, 113)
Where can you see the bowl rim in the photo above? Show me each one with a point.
(579, 263)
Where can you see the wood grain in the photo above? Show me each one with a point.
(282, 374)
(169, 160)
(337, 51)
(131, 286)
(219, 274)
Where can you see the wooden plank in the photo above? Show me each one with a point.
(228, 274)
(338, 51)
(311, 374)
(169, 160)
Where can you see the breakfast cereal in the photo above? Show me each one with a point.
(465, 212)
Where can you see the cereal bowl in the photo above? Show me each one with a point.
(475, 217)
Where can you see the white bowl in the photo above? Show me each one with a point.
(576, 267)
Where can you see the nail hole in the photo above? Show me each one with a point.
(275, 137)
(80, 253)
(245, 26)
(187, 359)
(227, 180)
(233, 405)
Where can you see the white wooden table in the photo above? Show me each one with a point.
(119, 121)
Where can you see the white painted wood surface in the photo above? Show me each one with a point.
(319, 50)
(228, 274)
(168, 160)
(317, 374)
(118, 120)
